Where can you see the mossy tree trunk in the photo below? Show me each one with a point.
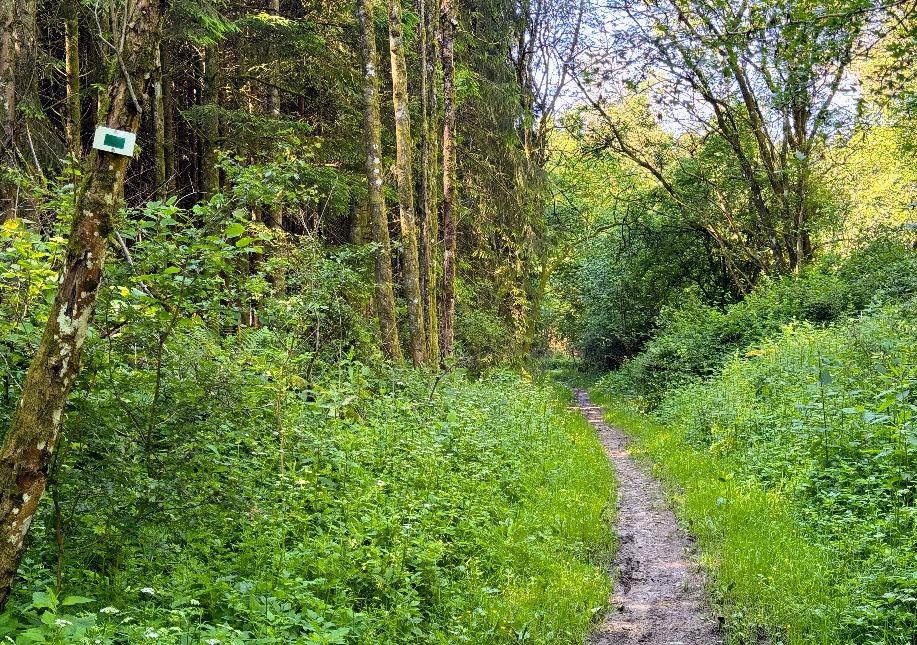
(18, 61)
(210, 175)
(168, 119)
(427, 210)
(274, 216)
(372, 135)
(35, 427)
(159, 131)
(448, 24)
(7, 106)
(405, 173)
(73, 123)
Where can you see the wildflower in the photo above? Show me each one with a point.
(380, 483)
(151, 634)
(62, 622)
(212, 641)
(194, 602)
(109, 610)
(148, 590)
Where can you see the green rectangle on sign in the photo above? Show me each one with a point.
(113, 141)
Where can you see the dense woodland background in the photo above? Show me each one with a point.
(278, 378)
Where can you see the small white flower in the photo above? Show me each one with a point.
(109, 610)
(151, 634)
(380, 483)
(212, 641)
(148, 590)
(300, 482)
(194, 602)
(62, 622)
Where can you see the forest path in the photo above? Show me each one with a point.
(659, 592)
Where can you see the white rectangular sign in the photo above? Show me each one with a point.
(119, 142)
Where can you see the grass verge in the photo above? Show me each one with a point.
(766, 579)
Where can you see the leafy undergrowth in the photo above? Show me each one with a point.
(798, 465)
(374, 513)
(694, 340)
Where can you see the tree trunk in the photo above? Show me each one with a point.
(19, 77)
(533, 321)
(25, 34)
(210, 97)
(428, 212)
(168, 121)
(73, 123)
(448, 25)
(274, 7)
(35, 427)
(159, 132)
(359, 223)
(405, 172)
(372, 135)
(7, 106)
(274, 216)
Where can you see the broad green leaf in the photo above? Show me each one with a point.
(234, 230)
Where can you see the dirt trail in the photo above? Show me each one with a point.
(659, 592)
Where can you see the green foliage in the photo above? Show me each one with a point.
(791, 402)
(694, 339)
(201, 21)
(361, 508)
(289, 178)
(220, 481)
(27, 283)
(825, 418)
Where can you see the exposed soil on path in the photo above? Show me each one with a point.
(659, 592)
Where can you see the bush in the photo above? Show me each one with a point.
(694, 339)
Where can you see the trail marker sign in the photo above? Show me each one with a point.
(120, 142)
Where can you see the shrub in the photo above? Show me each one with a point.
(694, 339)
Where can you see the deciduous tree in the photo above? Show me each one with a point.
(35, 427)
(372, 137)
(405, 173)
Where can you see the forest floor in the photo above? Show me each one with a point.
(659, 596)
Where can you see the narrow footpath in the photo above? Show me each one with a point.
(659, 592)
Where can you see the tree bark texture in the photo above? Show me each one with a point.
(428, 209)
(7, 106)
(405, 173)
(35, 427)
(210, 175)
(159, 132)
(372, 135)
(448, 23)
(274, 216)
(73, 123)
